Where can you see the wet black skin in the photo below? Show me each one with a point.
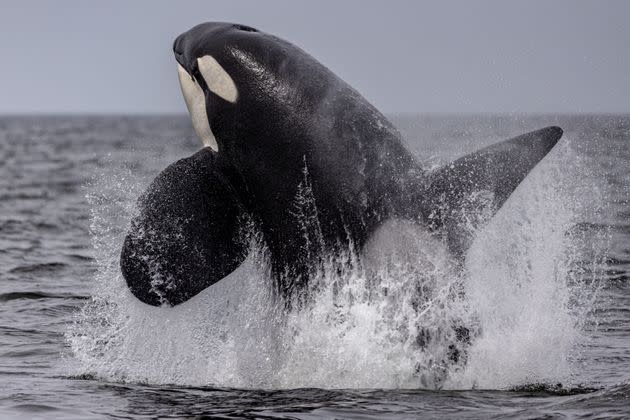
(188, 234)
(310, 162)
(293, 114)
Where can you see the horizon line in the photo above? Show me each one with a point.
(398, 114)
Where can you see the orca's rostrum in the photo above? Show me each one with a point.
(298, 154)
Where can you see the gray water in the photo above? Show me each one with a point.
(546, 285)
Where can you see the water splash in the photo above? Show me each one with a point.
(521, 280)
(393, 320)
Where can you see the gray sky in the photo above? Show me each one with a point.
(404, 56)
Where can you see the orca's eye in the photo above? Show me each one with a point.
(245, 28)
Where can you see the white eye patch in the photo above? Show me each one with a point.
(196, 104)
(217, 79)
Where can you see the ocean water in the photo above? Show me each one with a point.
(545, 291)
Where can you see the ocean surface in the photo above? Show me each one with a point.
(546, 292)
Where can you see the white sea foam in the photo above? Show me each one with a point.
(388, 323)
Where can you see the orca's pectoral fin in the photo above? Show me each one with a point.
(188, 234)
(466, 192)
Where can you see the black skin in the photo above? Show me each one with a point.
(188, 234)
(309, 161)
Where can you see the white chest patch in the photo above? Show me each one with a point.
(219, 82)
(196, 103)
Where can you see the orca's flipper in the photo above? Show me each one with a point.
(490, 174)
(187, 235)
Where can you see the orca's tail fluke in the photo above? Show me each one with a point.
(455, 191)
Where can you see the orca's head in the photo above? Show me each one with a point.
(235, 78)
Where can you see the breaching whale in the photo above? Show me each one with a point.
(296, 153)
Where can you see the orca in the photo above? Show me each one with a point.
(299, 156)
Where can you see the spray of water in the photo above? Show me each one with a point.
(401, 316)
